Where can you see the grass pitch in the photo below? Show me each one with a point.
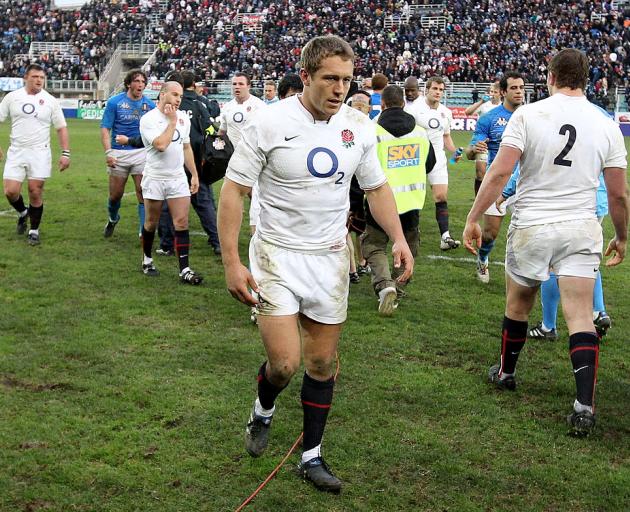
(123, 393)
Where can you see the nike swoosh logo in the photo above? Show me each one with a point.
(287, 139)
(575, 371)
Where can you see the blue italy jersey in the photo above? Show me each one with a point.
(491, 126)
(122, 116)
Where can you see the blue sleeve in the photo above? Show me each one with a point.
(150, 103)
(482, 130)
(510, 188)
(601, 209)
(109, 115)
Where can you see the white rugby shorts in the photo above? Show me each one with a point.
(571, 249)
(31, 163)
(128, 162)
(439, 174)
(289, 282)
(160, 190)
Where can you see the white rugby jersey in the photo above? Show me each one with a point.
(486, 107)
(168, 164)
(31, 116)
(235, 114)
(303, 170)
(566, 142)
(436, 121)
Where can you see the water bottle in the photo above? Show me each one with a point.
(485, 97)
(456, 155)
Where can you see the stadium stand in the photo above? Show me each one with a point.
(464, 41)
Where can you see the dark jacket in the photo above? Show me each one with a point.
(199, 120)
(398, 122)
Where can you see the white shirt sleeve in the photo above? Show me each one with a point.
(448, 122)
(223, 121)
(515, 133)
(186, 134)
(369, 173)
(58, 119)
(4, 109)
(149, 131)
(249, 157)
(616, 156)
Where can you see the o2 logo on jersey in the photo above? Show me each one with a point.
(238, 117)
(434, 123)
(403, 155)
(324, 166)
(176, 135)
(310, 163)
(28, 108)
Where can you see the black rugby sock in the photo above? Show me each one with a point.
(316, 400)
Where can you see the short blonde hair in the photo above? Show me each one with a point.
(322, 47)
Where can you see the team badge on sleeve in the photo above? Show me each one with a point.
(347, 138)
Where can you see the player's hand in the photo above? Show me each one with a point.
(619, 249)
(499, 202)
(123, 140)
(111, 161)
(472, 236)
(194, 184)
(64, 163)
(481, 146)
(239, 280)
(170, 112)
(402, 256)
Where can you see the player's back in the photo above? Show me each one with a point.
(566, 142)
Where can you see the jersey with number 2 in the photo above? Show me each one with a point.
(566, 142)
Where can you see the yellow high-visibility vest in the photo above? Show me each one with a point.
(403, 159)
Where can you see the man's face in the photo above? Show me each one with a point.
(137, 86)
(270, 92)
(34, 81)
(494, 93)
(411, 92)
(325, 90)
(173, 96)
(515, 94)
(435, 92)
(240, 88)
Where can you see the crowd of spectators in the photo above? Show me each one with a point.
(90, 31)
(481, 39)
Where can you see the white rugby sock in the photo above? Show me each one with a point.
(261, 411)
(578, 407)
(312, 453)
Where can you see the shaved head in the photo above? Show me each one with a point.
(411, 82)
(412, 90)
(168, 86)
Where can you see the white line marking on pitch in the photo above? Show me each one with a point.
(465, 260)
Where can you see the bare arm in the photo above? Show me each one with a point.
(491, 188)
(64, 143)
(106, 141)
(473, 108)
(230, 215)
(383, 208)
(189, 162)
(615, 178)
(448, 143)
